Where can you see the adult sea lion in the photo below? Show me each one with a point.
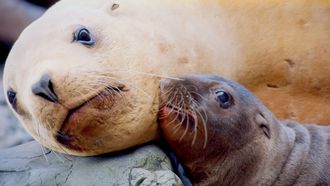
(224, 135)
(83, 79)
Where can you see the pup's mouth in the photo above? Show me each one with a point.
(76, 121)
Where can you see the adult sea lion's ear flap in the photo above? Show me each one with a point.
(114, 6)
(110, 7)
(263, 124)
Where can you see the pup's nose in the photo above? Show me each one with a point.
(44, 89)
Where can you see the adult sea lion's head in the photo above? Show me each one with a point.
(83, 79)
(65, 81)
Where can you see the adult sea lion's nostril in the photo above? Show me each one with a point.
(64, 138)
(44, 89)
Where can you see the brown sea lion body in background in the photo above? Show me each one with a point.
(83, 79)
(223, 135)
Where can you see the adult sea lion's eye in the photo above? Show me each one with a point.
(224, 99)
(12, 98)
(83, 36)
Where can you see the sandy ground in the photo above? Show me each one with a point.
(11, 131)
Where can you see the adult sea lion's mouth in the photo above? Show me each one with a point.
(80, 117)
(106, 96)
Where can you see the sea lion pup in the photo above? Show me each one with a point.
(224, 135)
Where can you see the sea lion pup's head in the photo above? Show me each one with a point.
(215, 126)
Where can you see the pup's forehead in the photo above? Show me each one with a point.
(207, 81)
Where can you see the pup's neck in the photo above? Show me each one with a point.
(284, 155)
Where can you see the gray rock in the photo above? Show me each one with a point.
(27, 164)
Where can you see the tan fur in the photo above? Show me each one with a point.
(279, 49)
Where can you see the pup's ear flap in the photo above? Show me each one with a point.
(263, 124)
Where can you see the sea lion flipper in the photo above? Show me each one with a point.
(180, 170)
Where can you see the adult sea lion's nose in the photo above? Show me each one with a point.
(44, 89)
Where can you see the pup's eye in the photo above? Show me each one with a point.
(224, 98)
(83, 36)
(12, 98)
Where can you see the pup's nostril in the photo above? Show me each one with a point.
(44, 88)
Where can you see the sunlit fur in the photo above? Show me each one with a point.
(116, 80)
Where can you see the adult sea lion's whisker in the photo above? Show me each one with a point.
(125, 83)
(119, 93)
(139, 72)
(125, 70)
(44, 153)
(57, 156)
(84, 96)
(156, 75)
(38, 133)
(114, 91)
(41, 137)
(111, 90)
(38, 122)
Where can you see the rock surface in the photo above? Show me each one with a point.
(28, 164)
(11, 132)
